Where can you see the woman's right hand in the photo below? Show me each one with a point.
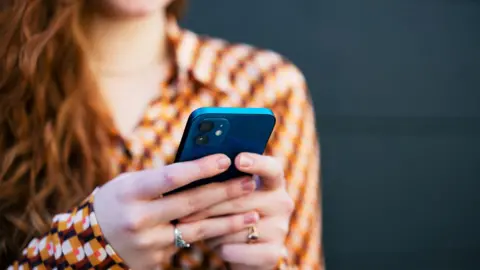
(135, 218)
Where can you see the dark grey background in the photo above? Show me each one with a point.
(396, 86)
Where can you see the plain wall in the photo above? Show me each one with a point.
(396, 86)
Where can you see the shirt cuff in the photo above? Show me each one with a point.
(100, 250)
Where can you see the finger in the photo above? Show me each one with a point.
(267, 203)
(185, 203)
(155, 238)
(262, 254)
(272, 230)
(259, 201)
(268, 168)
(164, 236)
(150, 184)
(214, 227)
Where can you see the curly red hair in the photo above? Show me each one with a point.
(54, 128)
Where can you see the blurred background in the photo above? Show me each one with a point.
(396, 87)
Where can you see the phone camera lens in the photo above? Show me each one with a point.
(201, 140)
(206, 126)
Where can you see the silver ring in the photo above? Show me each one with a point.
(179, 242)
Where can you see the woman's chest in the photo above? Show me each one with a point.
(159, 128)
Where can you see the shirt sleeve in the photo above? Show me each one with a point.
(74, 241)
(295, 143)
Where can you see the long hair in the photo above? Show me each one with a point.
(54, 129)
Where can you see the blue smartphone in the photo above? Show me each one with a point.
(230, 131)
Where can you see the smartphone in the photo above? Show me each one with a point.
(229, 131)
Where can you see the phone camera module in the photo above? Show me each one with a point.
(201, 140)
(206, 126)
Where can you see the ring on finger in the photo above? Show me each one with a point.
(253, 235)
(178, 239)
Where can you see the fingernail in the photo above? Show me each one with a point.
(245, 161)
(250, 218)
(248, 184)
(223, 163)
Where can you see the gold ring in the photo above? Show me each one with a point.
(252, 234)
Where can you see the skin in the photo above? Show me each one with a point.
(274, 206)
(138, 227)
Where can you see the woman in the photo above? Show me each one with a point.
(94, 98)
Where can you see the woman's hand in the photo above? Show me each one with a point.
(273, 204)
(135, 218)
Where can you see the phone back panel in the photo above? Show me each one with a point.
(230, 131)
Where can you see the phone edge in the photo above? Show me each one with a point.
(222, 110)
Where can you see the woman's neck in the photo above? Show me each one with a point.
(128, 44)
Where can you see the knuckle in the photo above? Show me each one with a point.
(280, 235)
(142, 243)
(275, 230)
(284, 228)
(277, 167)
(287, 202)
(133, 222)
(168, 178)
(279, 172)
(289, 205)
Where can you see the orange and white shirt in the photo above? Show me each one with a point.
(207, 72)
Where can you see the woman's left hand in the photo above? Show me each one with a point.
(273, 204)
